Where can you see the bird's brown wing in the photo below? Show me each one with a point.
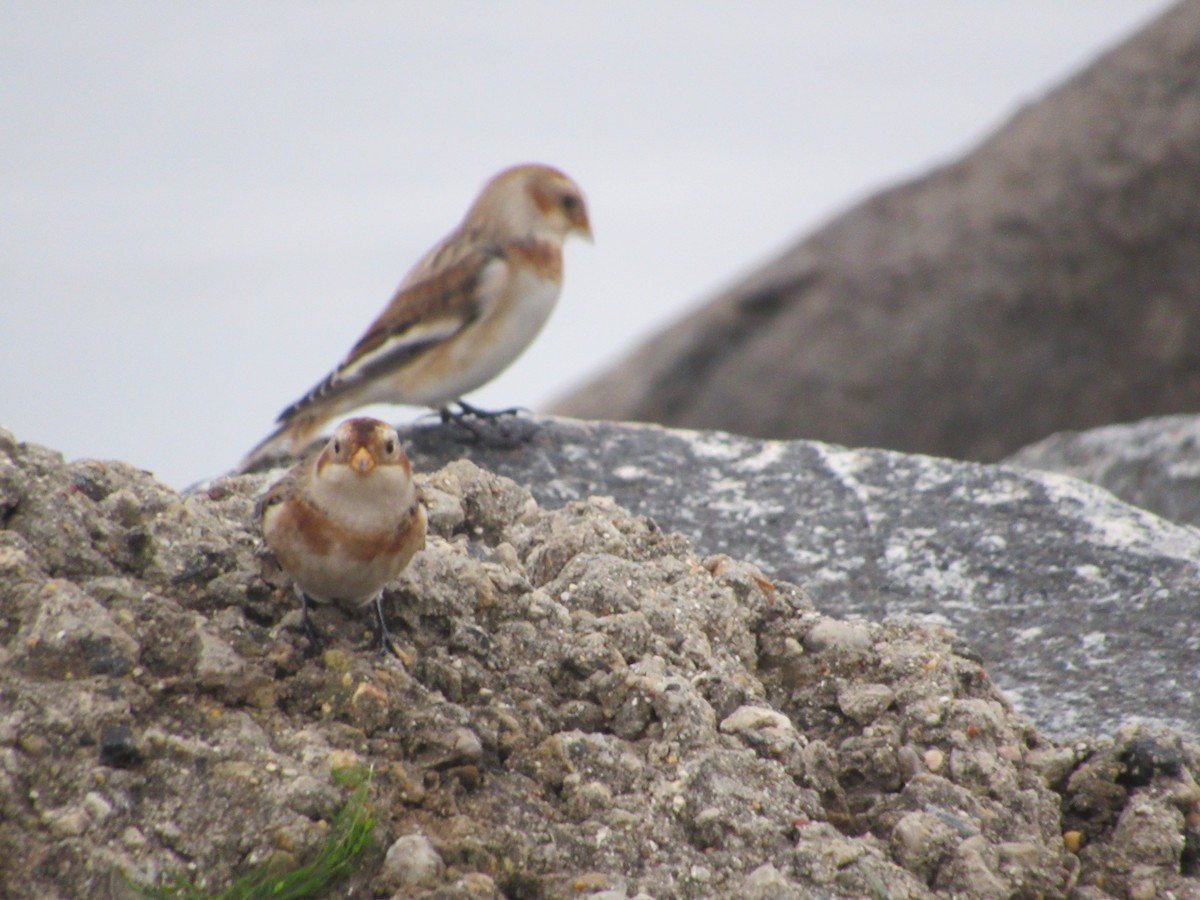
(418, 317)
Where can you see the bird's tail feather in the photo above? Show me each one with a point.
(289, 438)
(298, 424)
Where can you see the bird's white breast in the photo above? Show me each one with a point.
(376, 502)
(510, 320)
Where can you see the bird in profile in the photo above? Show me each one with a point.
(346, 521)
(465, 311)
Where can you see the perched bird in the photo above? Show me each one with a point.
(346, 522)
(462, 315)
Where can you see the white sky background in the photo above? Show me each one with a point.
(202, 206)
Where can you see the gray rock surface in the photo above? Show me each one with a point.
(588, 707)
(1154, 464)
(1047, 280)
(1082, 607)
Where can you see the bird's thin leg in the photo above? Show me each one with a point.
(459, 420)
(315, 639)
(383, 639)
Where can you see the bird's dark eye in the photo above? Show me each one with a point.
(390, 447)
(337, 446)
(569, 202)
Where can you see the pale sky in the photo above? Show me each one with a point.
(202, 206)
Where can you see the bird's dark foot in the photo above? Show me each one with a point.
(459, 421)
(316, 640)
(466, 409)
(384, 646)
(382, 641)
(477, 423)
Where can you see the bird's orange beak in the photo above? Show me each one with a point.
(362, 461)
(583, 228)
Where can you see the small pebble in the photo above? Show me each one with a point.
(934, 759)
(97, 806)
(410, 861)
(118, 749)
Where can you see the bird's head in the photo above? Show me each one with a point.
(532, 200)
(360, 446)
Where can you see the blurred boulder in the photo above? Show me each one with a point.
(1049, 280)
(1154, 464)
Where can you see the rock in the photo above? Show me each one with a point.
(770, 734)
(472, 886)
(833, 636)
(934, 759)
(118, 748)
(922, 842)
(768, 883)
(588, 706)
(1074, 602)
(1045, 281)
(71, 635)
(1154, 464)
(411, 861)
(865, 702)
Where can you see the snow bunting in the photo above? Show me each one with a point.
(462, 315)
(347, 521)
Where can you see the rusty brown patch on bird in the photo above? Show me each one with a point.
(543, 257)
(363, 430)
(545, 198)
(307, 521)
(406, 540)
(320, 534)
